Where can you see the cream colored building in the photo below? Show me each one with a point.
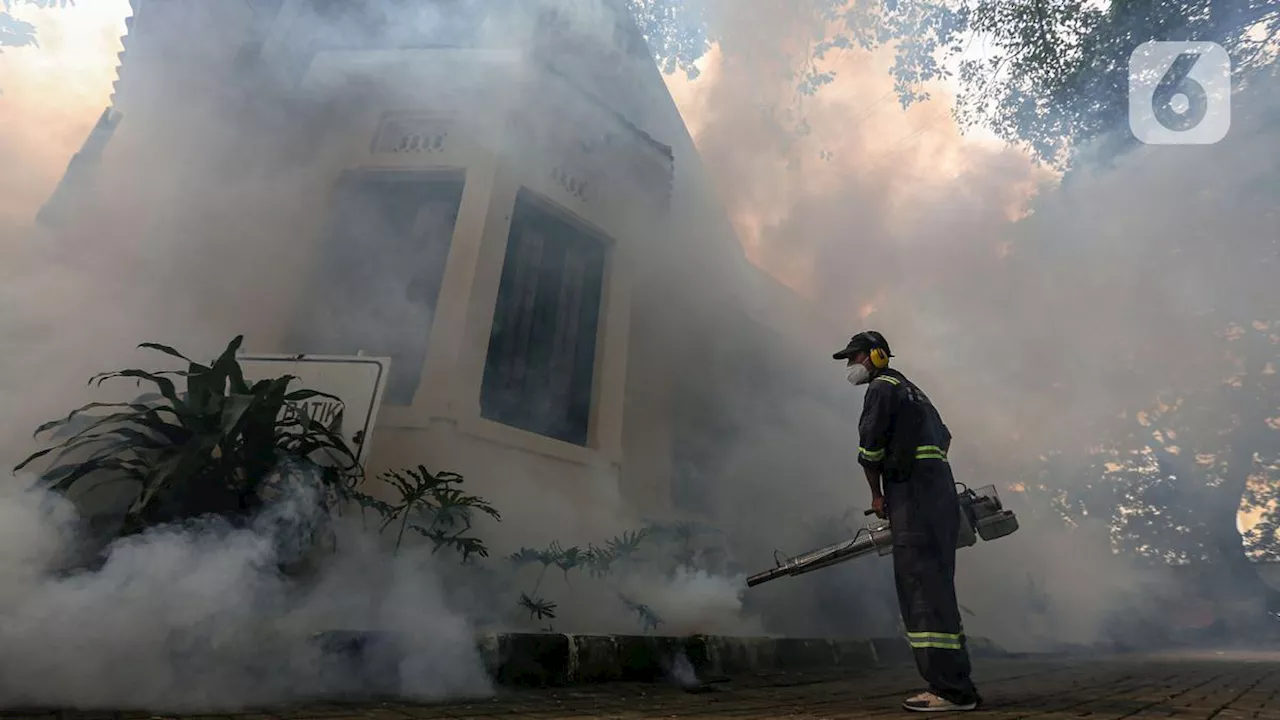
(505, 202)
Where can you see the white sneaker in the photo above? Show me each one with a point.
(928, 702)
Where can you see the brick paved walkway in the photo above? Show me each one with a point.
(1200, 686)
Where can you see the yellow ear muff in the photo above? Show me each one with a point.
(879, 358)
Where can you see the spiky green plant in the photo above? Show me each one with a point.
(625, 546)
(599, 561)
(527, 556)
(213, 448)
(645, 615)
(568, 559)
(434, 506)
(538, 607)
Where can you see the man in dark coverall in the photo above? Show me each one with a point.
(902, 447)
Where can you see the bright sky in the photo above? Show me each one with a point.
(53, 94)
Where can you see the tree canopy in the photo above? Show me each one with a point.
(15, 32)
(20, 33)
(1055, 73)
(1170, 478)
(676, 31)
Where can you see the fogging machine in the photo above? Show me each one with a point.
(981, 516)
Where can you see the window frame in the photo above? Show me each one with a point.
(532, 210)
(451, 185)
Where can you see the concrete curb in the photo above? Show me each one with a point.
(560, 659)
(370, 660)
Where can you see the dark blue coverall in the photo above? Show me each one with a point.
(902, 434)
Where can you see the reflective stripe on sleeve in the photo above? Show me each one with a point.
(931, 452)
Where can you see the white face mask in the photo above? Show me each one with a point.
(859, 374)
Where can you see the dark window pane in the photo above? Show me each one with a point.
(541, 363)
(380, 269)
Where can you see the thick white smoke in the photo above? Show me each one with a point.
(198, 617)
(880, 218)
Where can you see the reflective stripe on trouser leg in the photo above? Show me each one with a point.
(936, 640)
(925, 524)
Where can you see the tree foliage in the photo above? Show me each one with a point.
(676, 31)
(1055, 75)
(1171, 478)
(20, 33)
(1050, 76)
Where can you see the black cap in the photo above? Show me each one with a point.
(863, 342)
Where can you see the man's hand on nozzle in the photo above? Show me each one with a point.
(877, 506)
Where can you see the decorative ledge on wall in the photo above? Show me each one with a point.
(578, 171)
(411, 133)
(572, 180)
(590, 152)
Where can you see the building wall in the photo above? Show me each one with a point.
(520, 130)
(507, 121)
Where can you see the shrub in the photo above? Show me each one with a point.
(219, 447)
(432, 505)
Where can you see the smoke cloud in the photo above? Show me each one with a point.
(1006, 295)
(193, 618)
(1034, 313)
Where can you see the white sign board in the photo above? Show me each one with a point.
(357, 381)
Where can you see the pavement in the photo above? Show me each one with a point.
(1193, 685)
